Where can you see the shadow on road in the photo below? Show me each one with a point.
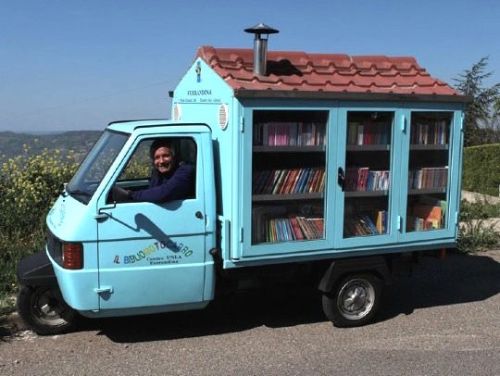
(457, 279)
(234, 313)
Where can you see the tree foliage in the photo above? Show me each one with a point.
(482, 116)
(481, 169)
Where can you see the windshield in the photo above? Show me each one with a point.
(95, 165)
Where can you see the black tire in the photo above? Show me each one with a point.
(45, 311)
(354, 300)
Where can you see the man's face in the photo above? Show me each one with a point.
(163, 160)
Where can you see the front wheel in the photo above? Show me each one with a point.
(45, 311)
(354, 301)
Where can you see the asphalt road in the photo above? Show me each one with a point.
(444, 320)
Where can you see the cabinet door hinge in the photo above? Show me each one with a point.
(403, 124)
(241, 235)
(242, 124)
(456, 218)
(399, 223)
(462, 122)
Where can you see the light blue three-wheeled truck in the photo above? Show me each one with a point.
(331, 167)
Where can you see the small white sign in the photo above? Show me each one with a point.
(223, 116)
(177, 112)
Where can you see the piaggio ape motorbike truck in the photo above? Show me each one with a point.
(328, 166)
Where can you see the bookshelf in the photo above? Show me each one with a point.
(428, 171)
(288, 175)
(366, 178)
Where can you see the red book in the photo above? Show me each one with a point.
(291, 181)
(297, 233)
(284, 184)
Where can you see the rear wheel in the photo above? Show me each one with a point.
(354, 301)
(45, 311)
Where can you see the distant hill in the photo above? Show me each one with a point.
(80, 142)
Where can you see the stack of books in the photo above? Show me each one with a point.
(428, 177)
(366, 224)
(368, 133)
(430, 133)
(361, 179)
(289, 181)
(427, 214)
(293, 228)
(289, 134)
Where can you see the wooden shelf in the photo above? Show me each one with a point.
(366, 193)
(368, 147)
(288, 197)
(426, 191)
(428, 147)
(288, 149)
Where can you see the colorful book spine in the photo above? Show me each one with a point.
(431, 132)
(428, 178)
(368, 133)
(290, 134)
(366, 224)
(288, 181)
(361, 179)
(294, 228)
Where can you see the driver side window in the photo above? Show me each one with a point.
(139, 165)
(140, 168)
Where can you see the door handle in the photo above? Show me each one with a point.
(101, 213)
(341, 178)
(101, 216)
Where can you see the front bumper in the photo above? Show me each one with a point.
(36, 270)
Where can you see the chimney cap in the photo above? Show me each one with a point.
(261, 28)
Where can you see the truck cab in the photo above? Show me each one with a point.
(109, 257)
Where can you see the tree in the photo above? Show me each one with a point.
(483, 113)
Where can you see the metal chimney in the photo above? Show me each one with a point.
(261, 32)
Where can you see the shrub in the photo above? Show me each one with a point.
(28, 187)
(476, 232)
(477, 235)
(481, 172)
(479, 210)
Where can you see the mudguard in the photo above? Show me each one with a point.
(36, 270)
(339, 268)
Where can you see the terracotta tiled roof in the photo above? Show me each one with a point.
(328, 73)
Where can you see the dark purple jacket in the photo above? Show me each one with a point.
(175, 186)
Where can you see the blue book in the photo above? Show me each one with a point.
(370, 224)
(299, 184)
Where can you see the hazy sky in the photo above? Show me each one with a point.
(80, 64)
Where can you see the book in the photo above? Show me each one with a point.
(429, 214)
(362, 225)
(429, 131)
(289, 134)
(297, 232)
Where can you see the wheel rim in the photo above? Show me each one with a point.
(47, 308)
(356, 299)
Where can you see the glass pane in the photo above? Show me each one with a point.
(95, 165)
(288, 175)
(428, 171)
(366, 178)
(139, 166)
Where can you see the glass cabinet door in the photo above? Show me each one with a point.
(367, 175)
(288, 176)
(428, 174)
